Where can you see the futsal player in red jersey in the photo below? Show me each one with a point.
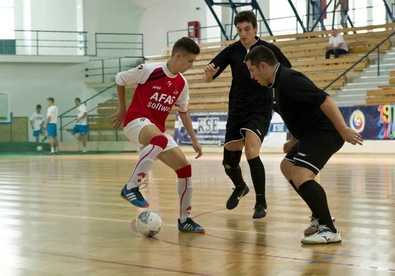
(160, 86)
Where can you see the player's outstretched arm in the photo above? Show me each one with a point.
(117, 118)
(187, 123)
(333, 113)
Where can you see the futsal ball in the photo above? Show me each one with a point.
(149, 223)
(39, 148)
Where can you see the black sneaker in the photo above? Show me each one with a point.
(260, 211)
(235, 197)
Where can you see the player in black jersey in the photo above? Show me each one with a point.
(318, 131)
(249, 113)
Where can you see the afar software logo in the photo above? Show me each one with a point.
(357, 121)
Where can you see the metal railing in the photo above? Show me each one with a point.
(73, 118)
(105, 69)
(377, 47)
(122, 51)
(38, 42)
(48, 42)
(278, 25)
(119, 44)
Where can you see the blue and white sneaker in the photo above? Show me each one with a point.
(323, 236)
(190, 226)
(135, 197)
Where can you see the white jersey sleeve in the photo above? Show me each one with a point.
(134, 76)
(182, 101)
(81, 111)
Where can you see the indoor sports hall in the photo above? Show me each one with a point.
(61, 212)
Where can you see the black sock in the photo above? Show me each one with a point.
(236, 177)
(296, 190)
(258, 178)
(314, 195)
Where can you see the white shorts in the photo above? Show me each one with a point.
(132, 131)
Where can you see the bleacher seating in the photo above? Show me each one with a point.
(305, 51)
(384, 95)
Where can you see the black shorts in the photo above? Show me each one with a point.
(236, 127)
(314, 149)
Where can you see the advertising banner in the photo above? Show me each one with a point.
(372, 122)
(210, 129)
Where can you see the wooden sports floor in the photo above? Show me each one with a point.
(62, 215)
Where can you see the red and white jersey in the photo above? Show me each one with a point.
(157, 91)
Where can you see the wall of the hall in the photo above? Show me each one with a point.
(31, 83)
(117, 16)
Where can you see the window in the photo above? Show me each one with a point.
(7, 19)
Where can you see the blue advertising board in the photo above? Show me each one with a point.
(372, 122)
(210, 128)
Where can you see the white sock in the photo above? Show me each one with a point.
(56, 149)
(185, 190)
(146, 158)
(52, 149)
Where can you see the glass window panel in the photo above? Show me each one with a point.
(7, 3)
(7, 23)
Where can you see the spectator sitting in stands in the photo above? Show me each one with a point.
(337, 46)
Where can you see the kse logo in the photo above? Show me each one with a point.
(208, 125)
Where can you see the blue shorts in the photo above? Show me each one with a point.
(81, 129)
(51, 130)
(37, 133)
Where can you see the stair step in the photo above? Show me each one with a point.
(354, 93)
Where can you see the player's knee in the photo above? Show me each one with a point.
(184, 172)
(300, 175)
(251, 152)
(231, 160)
(286, 168)
(160, 141)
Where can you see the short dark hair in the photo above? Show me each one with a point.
(260, 54)
(51, 99)
(38, 106)
(78, 100)
(185, 45)
(245, 16)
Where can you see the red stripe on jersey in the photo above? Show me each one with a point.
(157, 74)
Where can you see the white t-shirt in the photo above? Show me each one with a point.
(37, 119)
(334, 41)
(81, 111)
(53, 112)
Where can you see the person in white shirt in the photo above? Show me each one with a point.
(81, 125)
(37, 123)
(337, 45)
(52, 118)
